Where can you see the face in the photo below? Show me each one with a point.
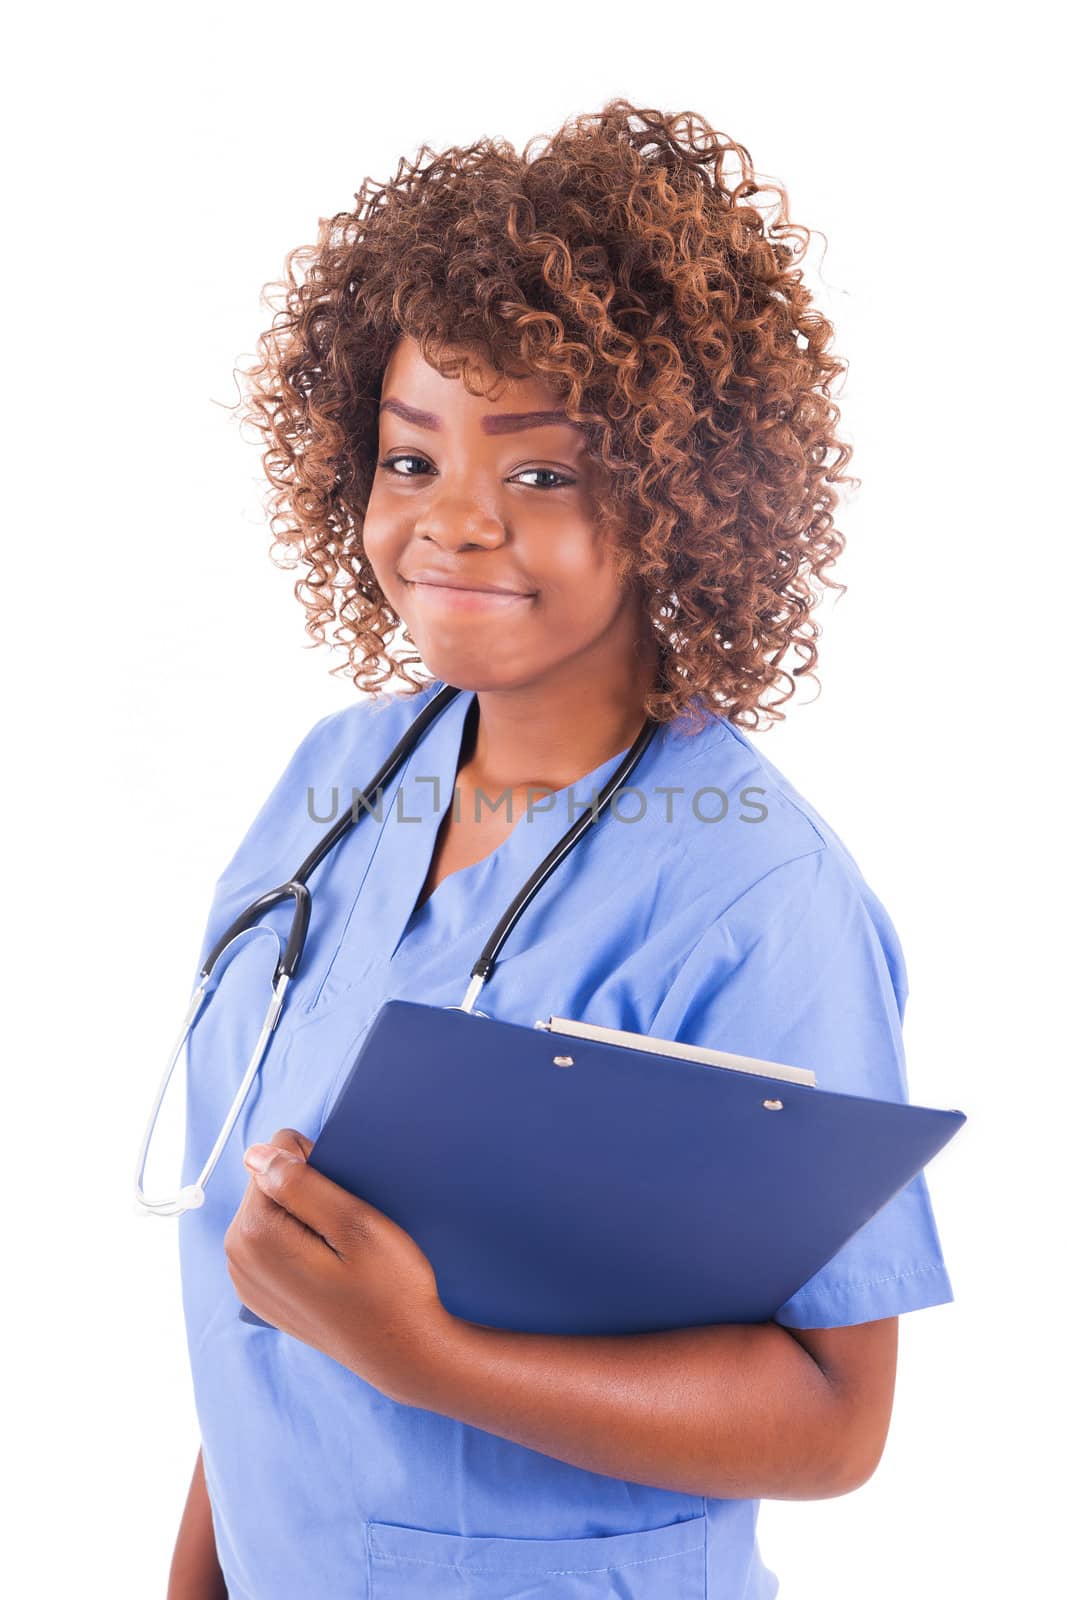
(482, 530)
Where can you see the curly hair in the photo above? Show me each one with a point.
(622, 266)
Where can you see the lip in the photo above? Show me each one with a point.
(451, 596)
(434, 581)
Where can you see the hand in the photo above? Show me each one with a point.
(331, 1270)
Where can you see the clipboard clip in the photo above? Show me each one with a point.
(682, 1052)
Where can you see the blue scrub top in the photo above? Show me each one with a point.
(712, 905)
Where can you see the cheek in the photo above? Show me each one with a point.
(583, 577)
(382, 542)
(375, 533)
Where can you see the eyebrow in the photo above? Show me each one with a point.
(502, 422)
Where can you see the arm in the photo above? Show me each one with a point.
(195, 1573)
(728, 1412)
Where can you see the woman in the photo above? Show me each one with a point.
(563, 420)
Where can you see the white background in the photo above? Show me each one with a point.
(158, 676)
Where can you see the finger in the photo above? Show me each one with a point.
(308, 1196)
(287, 1139)
(290, 1139)
(258, 1209)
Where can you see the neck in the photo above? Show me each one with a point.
(552, 731)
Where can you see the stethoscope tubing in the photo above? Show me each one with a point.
(295, 888)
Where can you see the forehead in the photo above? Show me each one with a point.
(411, 382)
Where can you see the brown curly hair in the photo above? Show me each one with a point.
(621, 265)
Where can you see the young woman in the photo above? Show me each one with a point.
(562, 419)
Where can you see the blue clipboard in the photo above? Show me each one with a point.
(561, 1184)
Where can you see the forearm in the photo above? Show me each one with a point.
(195, 1573)
(728, 1412)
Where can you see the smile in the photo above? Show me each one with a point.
(445, 597)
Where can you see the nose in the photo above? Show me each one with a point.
(457, 521)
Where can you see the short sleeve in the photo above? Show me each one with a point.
(805, 968)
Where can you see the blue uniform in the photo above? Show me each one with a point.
(711, 905)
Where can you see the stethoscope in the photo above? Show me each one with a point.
(192, 1195)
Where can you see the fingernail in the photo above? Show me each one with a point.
(258, 1155)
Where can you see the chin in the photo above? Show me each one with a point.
(470, 669)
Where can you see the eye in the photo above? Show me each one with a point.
(391, 462)
(545, 472)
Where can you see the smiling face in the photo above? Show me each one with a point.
(482, 531)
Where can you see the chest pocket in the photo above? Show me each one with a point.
(655, 1564)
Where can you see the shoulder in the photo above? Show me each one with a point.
(370, 726)
(760, 851)
(730, 791)
(339, 751)
(734, 811)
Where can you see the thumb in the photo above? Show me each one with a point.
(285, 1144)
(268, 1162)
(281, 1172)
(289, 1139)
(260, 1158)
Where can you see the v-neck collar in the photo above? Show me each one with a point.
(476, 895)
